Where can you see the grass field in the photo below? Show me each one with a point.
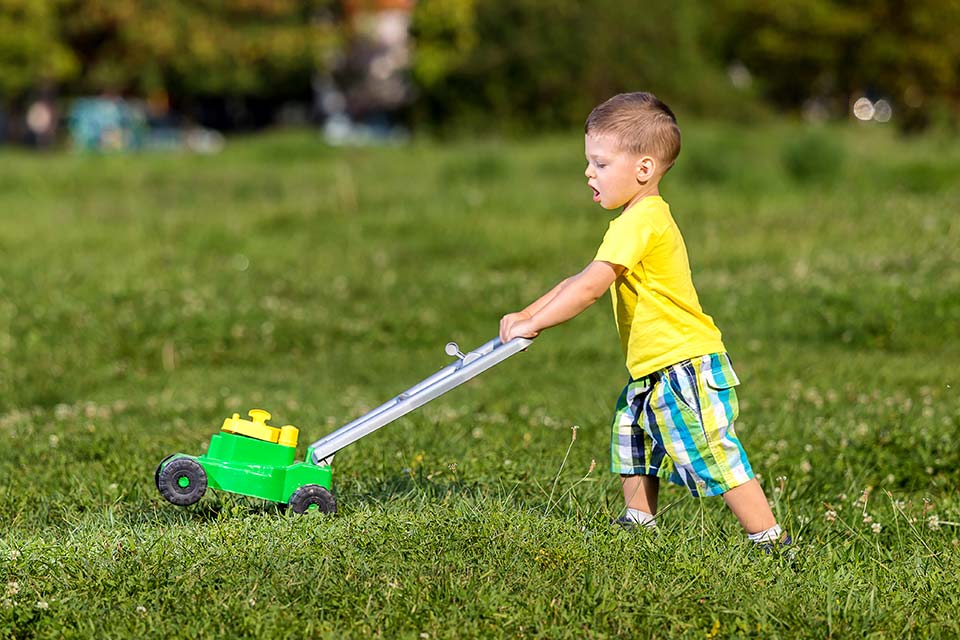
(145, 298)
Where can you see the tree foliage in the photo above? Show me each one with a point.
(541, 63)
(31, 52)
(534, 64)
(834, 49)
(521, 63)
(250, 47)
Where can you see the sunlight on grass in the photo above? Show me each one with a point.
(146, 298)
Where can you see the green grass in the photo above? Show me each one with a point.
(145, 298)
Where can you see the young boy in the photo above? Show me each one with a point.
(675, 418)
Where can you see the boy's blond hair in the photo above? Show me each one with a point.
(640, 123)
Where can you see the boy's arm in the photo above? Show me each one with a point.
(543, 300)
(563, 302)
(510, 319)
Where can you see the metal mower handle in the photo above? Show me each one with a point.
(467, 366)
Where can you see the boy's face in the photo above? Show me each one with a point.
(615, 176)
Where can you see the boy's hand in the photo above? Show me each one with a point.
(522, 329)
(508, 321)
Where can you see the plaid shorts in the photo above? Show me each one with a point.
(677, 424)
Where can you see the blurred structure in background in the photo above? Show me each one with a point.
(369, 70)
(42, 119)
(113, 124)
(226, 64)
(107, 124)
(366, 91)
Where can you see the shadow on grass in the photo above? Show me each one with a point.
(215, 505)
(406, 487)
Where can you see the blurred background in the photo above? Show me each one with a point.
(134, 74)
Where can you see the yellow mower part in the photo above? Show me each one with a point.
(258, 428)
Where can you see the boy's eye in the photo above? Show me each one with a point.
(601, 165)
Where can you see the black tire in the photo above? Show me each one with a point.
(182, 482)
(156, 474)
(312, 495)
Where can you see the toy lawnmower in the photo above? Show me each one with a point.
(252, 458)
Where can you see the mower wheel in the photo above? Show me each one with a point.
(311, 496)
(182, 482)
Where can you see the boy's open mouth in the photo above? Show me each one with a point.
(596, 194)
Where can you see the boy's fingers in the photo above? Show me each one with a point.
(519, 329)
(506, 323)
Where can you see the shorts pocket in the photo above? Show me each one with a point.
(637, 388)
(718, 373)
(719, 405)
(686, 397)
(638, 399)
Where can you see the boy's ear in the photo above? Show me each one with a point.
(646, 168)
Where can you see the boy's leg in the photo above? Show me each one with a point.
(641, 492)
(698, 399)
(748, 502)
(640, 496)
(634, 455)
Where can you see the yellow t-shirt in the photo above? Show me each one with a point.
(658, 315)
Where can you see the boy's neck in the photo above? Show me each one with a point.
(649, 190)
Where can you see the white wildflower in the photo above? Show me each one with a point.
(876, 527)
(933, 522)
(42, 604)
(830, 515)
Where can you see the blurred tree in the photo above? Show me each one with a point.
(518, 64)
(266, 48)
(528, 63)
(836, 49)
(31, 52)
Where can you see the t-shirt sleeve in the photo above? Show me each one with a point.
(628, 240)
